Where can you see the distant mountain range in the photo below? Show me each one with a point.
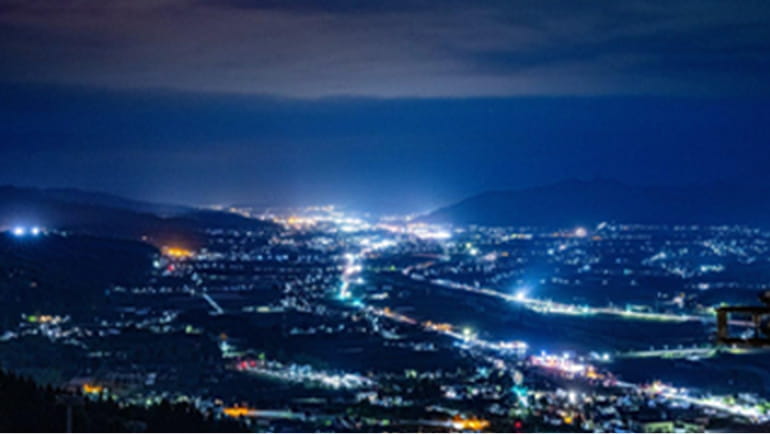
(573, 202)
(112, 216)
(102, 199)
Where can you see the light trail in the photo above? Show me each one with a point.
(706, 352)
(752, 413)
(551, 307)
(575, 369)
(217, 308)
(465, 335)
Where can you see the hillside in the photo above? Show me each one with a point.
(573, 202)
(28, 407)
(52, 274)
(108, 200)
(111, 216)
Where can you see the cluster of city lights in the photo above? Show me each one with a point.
(304, 374)
(752, 412)
(566, 365)
(562, 363)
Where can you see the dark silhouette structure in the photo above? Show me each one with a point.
(757, 317)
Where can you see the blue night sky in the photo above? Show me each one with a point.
(403, 104)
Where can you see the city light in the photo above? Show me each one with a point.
(520, 295)
(428, 232)
(177, 252)
(469, 424)
(24, 231)
(467, 333)
(92, 389)
(304, 374)
(237, 411)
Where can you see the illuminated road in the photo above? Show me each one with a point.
(551, 307)
(217, 308)
(672, 353)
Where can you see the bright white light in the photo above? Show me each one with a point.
(35, 231)
(344, 293)
(429, 232)
(572, 396)
(19, 231)
(581, 232)
(520, 295)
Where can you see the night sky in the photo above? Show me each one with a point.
(397, 104)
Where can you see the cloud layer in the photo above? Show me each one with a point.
(393, 48)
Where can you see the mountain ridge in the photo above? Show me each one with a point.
(102, 214)
(579, 202)
(88, 197)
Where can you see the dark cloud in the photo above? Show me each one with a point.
(355, 7)
(395, 48)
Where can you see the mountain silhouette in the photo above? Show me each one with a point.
(575, 202)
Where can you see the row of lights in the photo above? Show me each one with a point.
(22, 231)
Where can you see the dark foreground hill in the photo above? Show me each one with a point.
(28, 407)
(52, 273)
(111, 216)
(573, 202)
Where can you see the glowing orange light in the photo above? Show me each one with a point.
(471, 424)
(177, 252)
(237, 411)
(92, 389)
(441, 327)
(592, 374)
(299, 221)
